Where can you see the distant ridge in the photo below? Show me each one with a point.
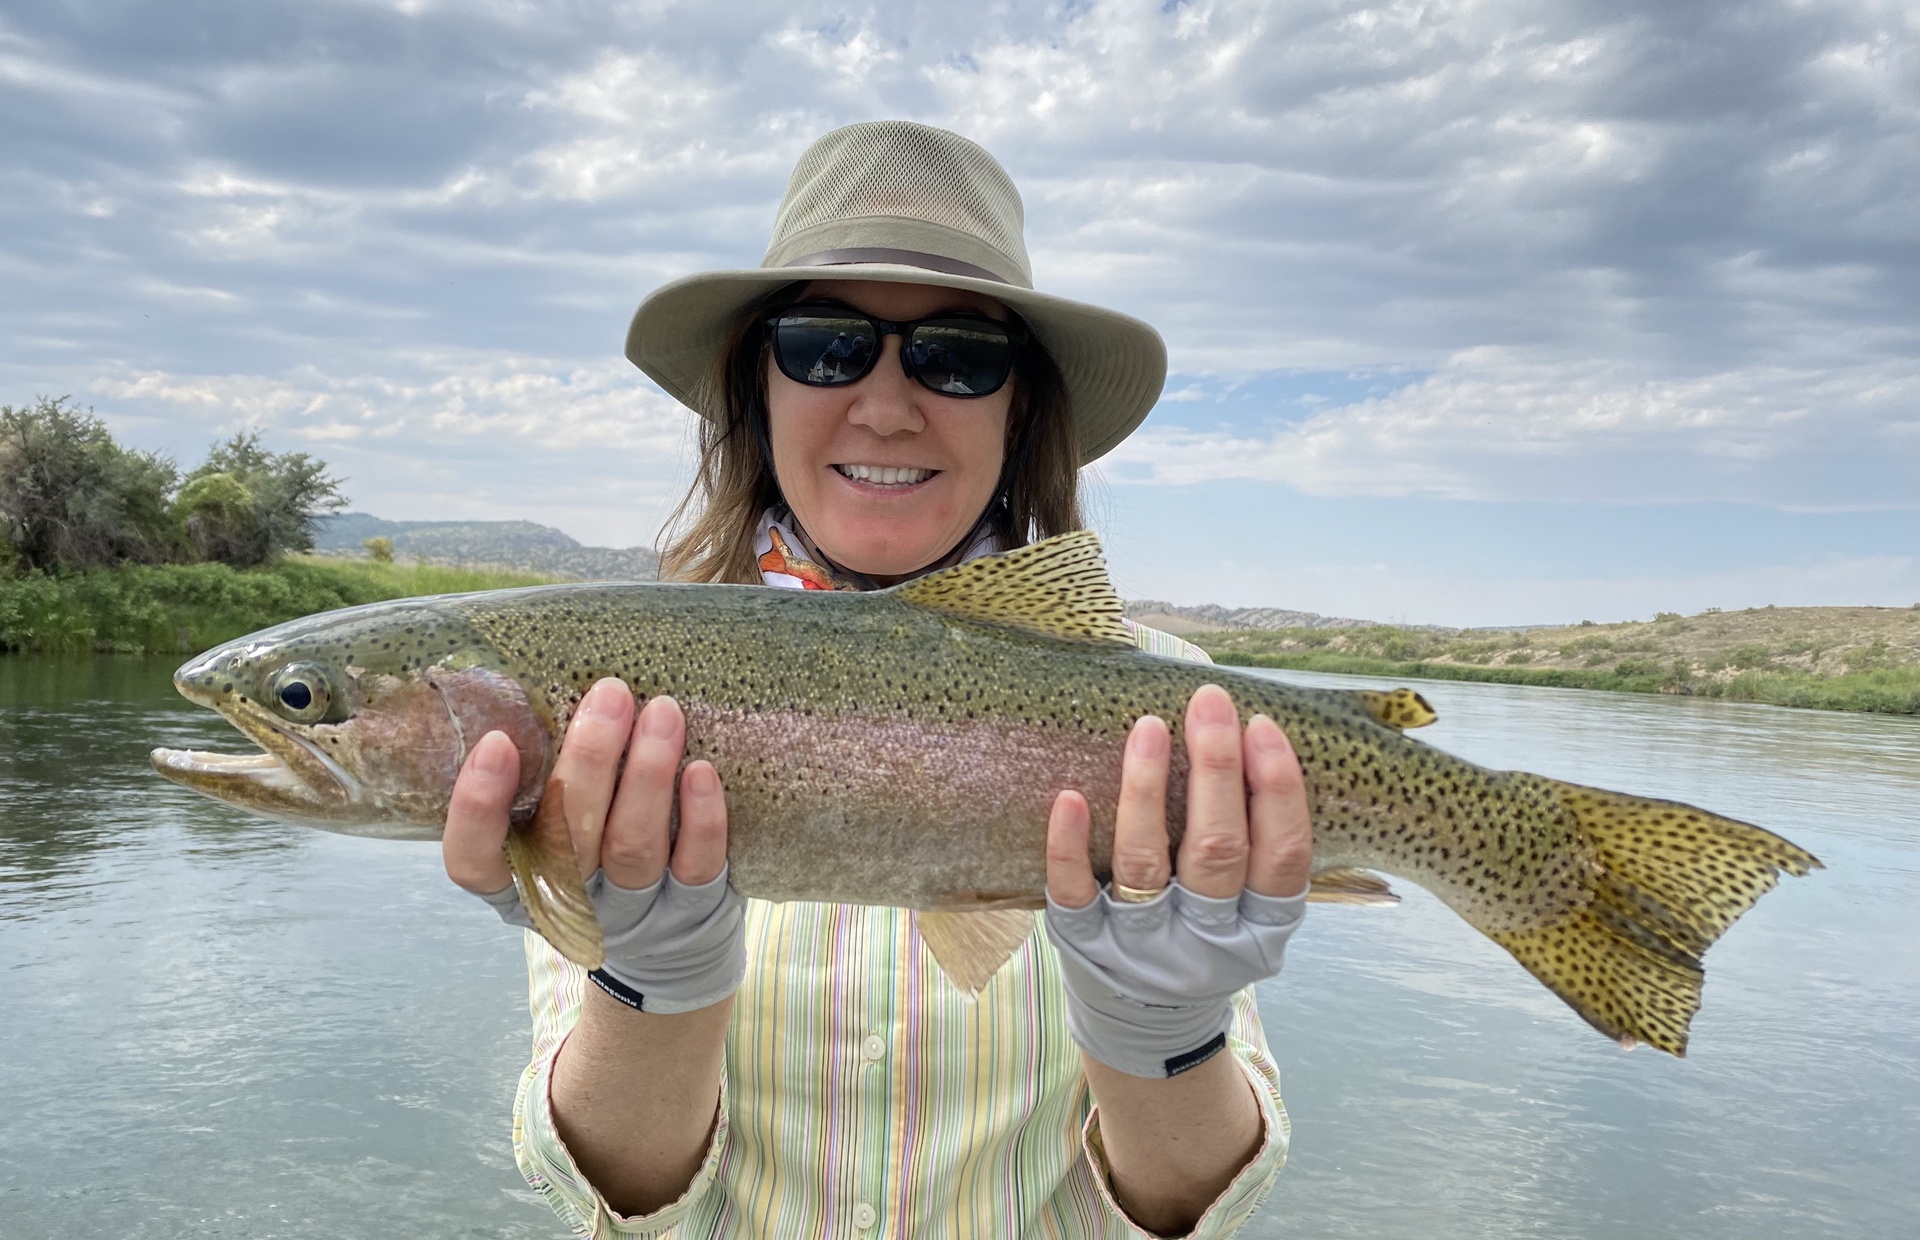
(523, 545)
(1211, 618)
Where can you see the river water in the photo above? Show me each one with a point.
(216, 1026)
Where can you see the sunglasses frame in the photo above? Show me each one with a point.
(1016, 331)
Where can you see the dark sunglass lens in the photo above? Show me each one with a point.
(960, 357)
(822, 349)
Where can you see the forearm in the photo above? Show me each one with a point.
(1174, 1145)
(635, 1096)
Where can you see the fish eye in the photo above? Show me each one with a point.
(299, 692)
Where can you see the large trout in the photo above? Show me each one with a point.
(903, 747)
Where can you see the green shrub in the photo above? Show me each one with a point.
(246, 506)
(1865, 658)
(70, 497)
(185, 608)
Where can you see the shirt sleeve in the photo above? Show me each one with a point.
(1247, 1043)
(556, 988)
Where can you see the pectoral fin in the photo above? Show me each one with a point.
(971, 947)
(1350, 886)
(544, 868)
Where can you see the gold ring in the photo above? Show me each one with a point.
(1135, 895)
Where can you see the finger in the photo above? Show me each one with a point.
(1140, 857)
(1069, 873)
(700, 852)
(473, 846)
(1281, 827)
(1213, 851)
(633, 852)
(589, 765)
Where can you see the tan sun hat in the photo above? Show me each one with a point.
(906, 204)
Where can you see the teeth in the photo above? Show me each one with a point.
(885, 475)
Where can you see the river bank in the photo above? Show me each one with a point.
(1823, 658)
(186, 608)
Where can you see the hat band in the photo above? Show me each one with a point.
(903, 258)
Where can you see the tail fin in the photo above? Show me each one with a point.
(1669, 880)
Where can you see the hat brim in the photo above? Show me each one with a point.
(1113, 364)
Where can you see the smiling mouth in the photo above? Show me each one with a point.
(896, 477)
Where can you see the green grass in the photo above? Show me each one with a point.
(1886, 690)
(186, 608)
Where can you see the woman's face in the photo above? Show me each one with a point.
(829, 444)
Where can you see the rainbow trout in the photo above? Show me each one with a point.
(903, 748)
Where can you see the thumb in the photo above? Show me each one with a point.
(473, 846)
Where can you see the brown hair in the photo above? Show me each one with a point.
(709, 536)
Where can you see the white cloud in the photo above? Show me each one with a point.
(1500, 424)
(519, 404)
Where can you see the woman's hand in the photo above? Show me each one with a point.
(672, 923)
(635, 1084)
(1149, 975)
(1149, 984)
(1247, 822)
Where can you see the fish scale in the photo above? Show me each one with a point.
(903, 747)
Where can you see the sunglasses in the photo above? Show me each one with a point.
(832, 346)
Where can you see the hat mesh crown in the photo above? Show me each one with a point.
(901, 170)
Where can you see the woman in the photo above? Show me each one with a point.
(886, 396)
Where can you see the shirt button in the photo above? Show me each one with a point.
(874, 1049)
(864, 1216)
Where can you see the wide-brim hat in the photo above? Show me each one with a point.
(906, 204)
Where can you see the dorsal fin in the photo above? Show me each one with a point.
(1401, 708)
(1056, 588)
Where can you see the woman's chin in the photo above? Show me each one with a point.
(889, 554)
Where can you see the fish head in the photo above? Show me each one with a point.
(363, 718)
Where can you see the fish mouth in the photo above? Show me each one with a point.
(288, 778)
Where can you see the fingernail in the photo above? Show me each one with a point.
(494, 758)
(1212, 706)
(1149, 738)
(656, 719)
(1267, 737)
(702, 780)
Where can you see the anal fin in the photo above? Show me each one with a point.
(544, 868)
(1346, 885)
(971, 947)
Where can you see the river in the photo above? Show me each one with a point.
(217, 1026)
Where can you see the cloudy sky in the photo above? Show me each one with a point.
(1481, 312)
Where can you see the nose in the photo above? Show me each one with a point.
(885, 400)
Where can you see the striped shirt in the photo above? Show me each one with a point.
(863, 1097)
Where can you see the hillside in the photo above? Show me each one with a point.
(1846, 658)
(520, 545)
(1210, 617)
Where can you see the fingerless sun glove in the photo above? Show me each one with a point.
(1148, 985)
